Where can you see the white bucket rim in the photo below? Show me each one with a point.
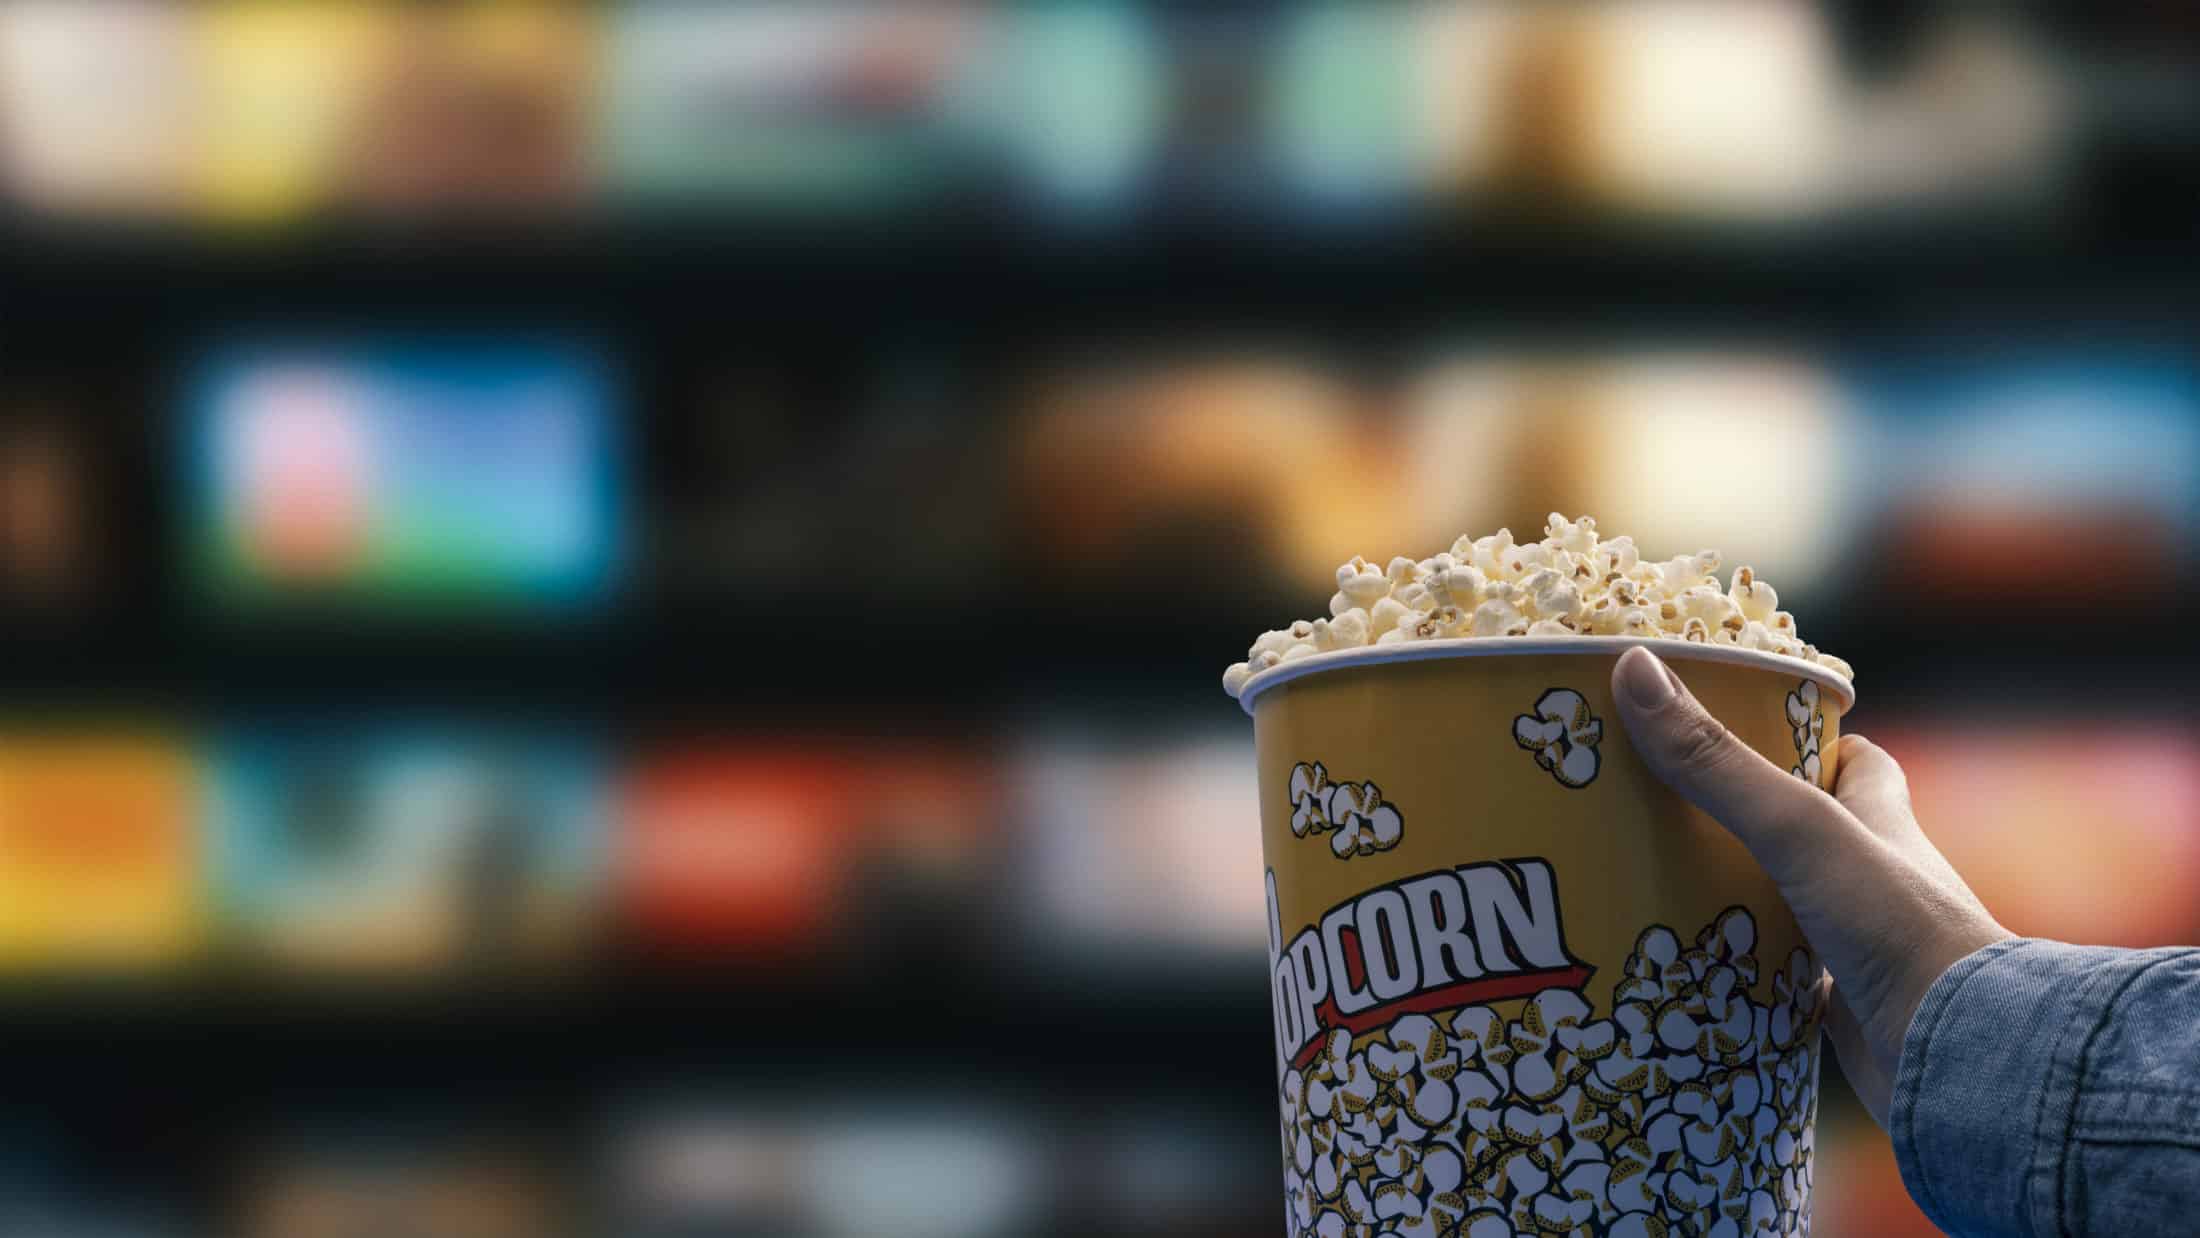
(1669, 648)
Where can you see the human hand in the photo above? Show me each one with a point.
(1877, 901)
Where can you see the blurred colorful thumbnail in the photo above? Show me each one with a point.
(830, 107)
(765, 850)
(422, 1178)
(841, 1161)
(405, 475)
(100, 858)
(408, 850)
(1985, 463)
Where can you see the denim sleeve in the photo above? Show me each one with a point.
(2049, 1090)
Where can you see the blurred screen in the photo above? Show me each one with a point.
(1158, 464)
(431, 474)
(277, 88)
(475, 107)
(841, 1166)
(676, 1174)
(1132, 846)
(763, 502)
(1338, 110)
(49, 551)
(1693, 108)
(835, 106)
(408, 850)
(1071, 99)
(737, 849)
(2002, 801)
(1737, 451)
(433, 1183)
(96, 105)
(1988, 466)
(769, 851)
(100, 858)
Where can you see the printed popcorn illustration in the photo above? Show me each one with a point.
(1809, 722)
(1689, 1109)
(1355, 815)
(1563, 736)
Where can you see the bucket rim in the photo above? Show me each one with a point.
(1670, 648)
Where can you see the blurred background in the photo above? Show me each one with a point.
(611, 615)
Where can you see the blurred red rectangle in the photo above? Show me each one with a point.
(2082, 832)
(736, 847)
(1980, 548)
(758, 850)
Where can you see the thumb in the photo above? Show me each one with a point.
(1885, 922)
(1790, 826)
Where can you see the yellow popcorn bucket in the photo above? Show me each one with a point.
(1519, 986)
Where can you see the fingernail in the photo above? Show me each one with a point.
(1646, 680)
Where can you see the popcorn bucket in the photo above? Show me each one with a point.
(1520, 987)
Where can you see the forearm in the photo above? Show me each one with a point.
(2048, 1089)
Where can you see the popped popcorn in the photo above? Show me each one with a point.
(1571, 583)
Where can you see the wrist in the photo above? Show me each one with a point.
(1948, 948)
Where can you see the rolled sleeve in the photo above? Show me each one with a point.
(1995, 1067)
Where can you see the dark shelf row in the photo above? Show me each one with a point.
(965, 276)
(890, 677)
(747, 1024)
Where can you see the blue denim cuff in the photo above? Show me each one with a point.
(1991, 1071)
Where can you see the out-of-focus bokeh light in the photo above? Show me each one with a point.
(610, 614)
